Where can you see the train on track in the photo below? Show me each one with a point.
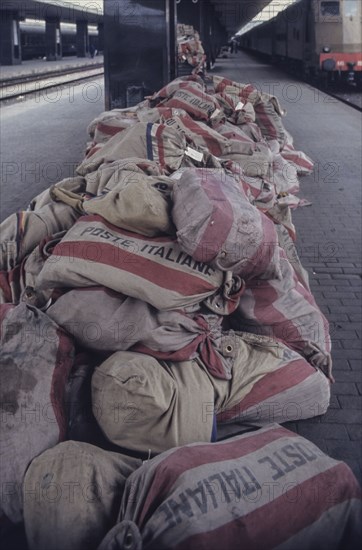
(32, 35)
(316, 39)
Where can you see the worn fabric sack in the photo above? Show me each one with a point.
(19, 283)
(124, 323)
(259, 191)
(196, 102)
(177, 84)
(108, 175)
(266, 489)
(216, 224)
(75, 184)
(149, 406)
(72, 494)
(268, 383)
(137, 202)
(302, 163)
(36, 359)
(155, 270)
(143, 140)
(286, 310)
(23, 231)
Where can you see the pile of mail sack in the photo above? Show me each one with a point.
(149, 301)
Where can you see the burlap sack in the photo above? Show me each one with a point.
(302, 163)
(129, 112)
(164, 401)
(36, 358)
(266, 489)
(147, 406)
(18, 284)
(72, 494)
(75, 184)
(138, 203)
(259, 191)
(202, 136)
(155, 270)
(269, 383)
(109, 174)
(216, 224)
(286, 310)
(177, 84)
(23, 231)
(143, 140)
(123, 323)
(196, 102)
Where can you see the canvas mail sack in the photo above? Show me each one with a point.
(267, 489)
(142, 403)
(36, 359)
(153, 269)
(143, 140)
(72, 494)
(285, 309)
(217, 224)
(137, 202)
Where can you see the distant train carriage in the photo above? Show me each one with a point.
(33, 39)
(313, 37)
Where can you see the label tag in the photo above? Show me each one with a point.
(215, 113)
(196, 155)
(239, 106)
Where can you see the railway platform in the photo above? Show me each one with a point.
(328, 231)
(37, 67)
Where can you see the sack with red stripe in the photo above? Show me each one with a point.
(143, 140)
(196, 102)
(217, 224)
(302, 163)
(153, 269)
(269, 383)
(36, 359)
(265, 489)
(286, 310)
(125, 323)
(177, 84)
(88, 484)
(259, 192)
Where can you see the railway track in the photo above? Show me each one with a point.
(16, 88)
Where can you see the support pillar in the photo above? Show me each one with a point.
(100, 37)
(82, 38)
(10, 43)
(138, 53)
(53, 39)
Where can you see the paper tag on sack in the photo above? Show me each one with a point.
(195, 155)
(239, 106)
(215, 113)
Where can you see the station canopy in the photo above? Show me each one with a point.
(235, 14)
(68, 11)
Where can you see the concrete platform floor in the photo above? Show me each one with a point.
(329, 238)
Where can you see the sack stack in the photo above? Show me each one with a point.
(150, 300)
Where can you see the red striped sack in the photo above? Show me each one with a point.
(260, 192)
(177, 84)
(302, 163)
(143, 140)
(196, 102)
(124, 323)
(286, 310)
(269, 383)
(36, 359)
(266, 489)
(216, 223)
(153, 269)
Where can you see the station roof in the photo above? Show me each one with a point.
(233, 14)
(67, 11)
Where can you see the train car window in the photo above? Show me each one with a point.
(330, 7)
(350, 7)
